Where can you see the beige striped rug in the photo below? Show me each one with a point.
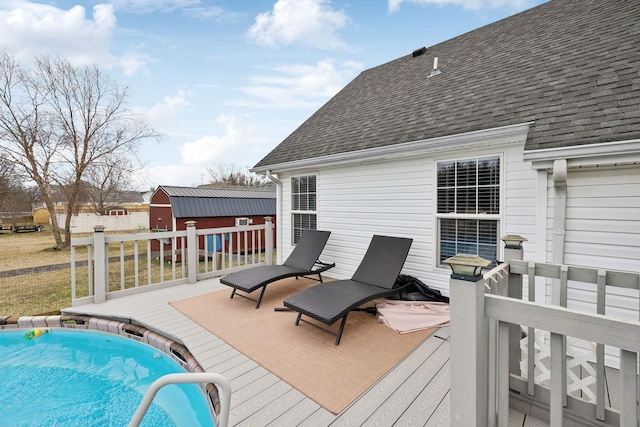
(303, 356)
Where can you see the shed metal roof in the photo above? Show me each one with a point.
(207, 192)
(203, 202)
(198, 207)
(569, 66)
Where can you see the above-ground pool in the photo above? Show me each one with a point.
(89, 378)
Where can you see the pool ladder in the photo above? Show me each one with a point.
(199, 377)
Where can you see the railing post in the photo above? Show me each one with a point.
(268, 239)
(469, 353)
(101, 263)
(513, 251)
(192, 252)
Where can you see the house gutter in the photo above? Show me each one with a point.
(606, 153)
(431, 146)
(559, 218)
(278, 221)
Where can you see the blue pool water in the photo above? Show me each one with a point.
(89, 378)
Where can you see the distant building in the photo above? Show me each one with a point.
(171, 207)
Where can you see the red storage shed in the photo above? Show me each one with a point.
(211, 207)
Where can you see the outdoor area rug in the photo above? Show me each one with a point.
(303, 356)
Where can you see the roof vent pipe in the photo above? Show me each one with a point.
(435, 70)
(419, 52)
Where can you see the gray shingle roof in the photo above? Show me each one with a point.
(203, 202)
(570, 66)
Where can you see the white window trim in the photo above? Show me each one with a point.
(293, 212)
(499, 218)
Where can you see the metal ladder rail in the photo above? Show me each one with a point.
(199, 377)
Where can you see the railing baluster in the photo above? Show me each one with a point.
(90, 269)
(136, 266)
(494, 363)
(253, 246)
(246, 247)
(122, 265)
(182, 263)
(503, 374)
(628, 389)
(73, 272)
(149, 261)
(238, 246)
(531, 339)
(564, 290)
(558, 379)
(600, 378)
(205, 239)
(162, 261)
(174, 255)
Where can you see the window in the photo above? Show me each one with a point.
(303, 205)
(468, 200)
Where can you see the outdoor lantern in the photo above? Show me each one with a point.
(466, 267)
(513, 241)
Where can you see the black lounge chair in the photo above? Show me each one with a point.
(302, 262)
(374, 278)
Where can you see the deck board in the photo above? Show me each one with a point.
(415, 392)
(426, 403)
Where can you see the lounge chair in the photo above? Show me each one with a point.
(374, 278)
(302, 262)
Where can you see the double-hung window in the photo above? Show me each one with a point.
(303, 205)
(468, 213)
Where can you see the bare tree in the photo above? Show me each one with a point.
(233, 175)
(57, 121)
(15, 198)
(107, 183)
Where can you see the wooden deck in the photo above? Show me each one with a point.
(414, 393)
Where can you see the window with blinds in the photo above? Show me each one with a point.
(303, 205)
(468, 207)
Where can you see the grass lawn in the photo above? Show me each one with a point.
(29, 249)
(44, 291)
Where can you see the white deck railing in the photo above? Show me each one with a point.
(109, 266)
(506, 351)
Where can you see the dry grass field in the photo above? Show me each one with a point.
(44, 290)
(29, 249)
(45, 286)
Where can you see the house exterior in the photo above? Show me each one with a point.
(171, 207)
(528, 126)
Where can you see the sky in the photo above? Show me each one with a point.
(225, 81)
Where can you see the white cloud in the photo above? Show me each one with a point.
(165, 111)
(298, 85)
(195, 9)
(149, 6)
(308, 22)
(474, 5)
(29, 29)
(210, 149)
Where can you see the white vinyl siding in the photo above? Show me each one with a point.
(397, 198)
(602, 230)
